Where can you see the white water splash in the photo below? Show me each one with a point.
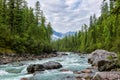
(3, 72)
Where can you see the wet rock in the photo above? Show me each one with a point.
(107, 76)
(108, 65)
(52, 65)
(79, 78)
(84, 76)
(64, 70)
(24, 79)
(87, 77)
(45, 66)
(35, 67)
(101, 65)
(99, 55)
(78, 72)
(86, 71)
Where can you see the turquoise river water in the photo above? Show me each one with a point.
(72, 62)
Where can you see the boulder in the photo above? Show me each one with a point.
(84, 76)
(86, 71)
(99, 55)
(35, 67)
(64, 70)
(52, 65)
(107, 76)
(108, 65)
(24, 79)
(45, 66)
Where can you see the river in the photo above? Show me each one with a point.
(71, 62)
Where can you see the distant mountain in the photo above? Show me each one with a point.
(58, 35)
(69, 33)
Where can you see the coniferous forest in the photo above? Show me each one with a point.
(31, 50)
(101, 33)
(23, 29)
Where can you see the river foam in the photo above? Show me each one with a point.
(71, 62)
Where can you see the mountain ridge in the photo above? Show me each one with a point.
(58, 35)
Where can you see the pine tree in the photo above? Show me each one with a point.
(18, 17)
(38, 12)
(49, 32)
(11, 6)
(111, 5)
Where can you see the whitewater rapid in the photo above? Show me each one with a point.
(71, 62)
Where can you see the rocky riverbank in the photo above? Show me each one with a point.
(105, 66)
(9, 58)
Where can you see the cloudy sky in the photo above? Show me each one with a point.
(68, 15)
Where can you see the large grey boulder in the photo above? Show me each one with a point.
(45, 66)
(52, 65)
(99, 55)
(35, 67)
(107, 76)
(108, 65)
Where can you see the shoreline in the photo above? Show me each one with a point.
(90, 73)
(9, 58)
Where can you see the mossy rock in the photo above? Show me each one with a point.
(108, 65)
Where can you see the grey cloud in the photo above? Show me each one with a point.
(69, 15)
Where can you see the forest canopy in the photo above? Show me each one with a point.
(23, 29)
(101, 33)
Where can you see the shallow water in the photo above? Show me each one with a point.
(72, 62)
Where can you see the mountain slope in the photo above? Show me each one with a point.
(58, 35)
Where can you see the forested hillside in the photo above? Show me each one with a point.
(22, 29)
(101, 33)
